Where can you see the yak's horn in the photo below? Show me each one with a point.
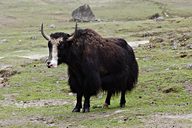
(74, 34)
(43, 34)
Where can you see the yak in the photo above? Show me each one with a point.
(94, 63)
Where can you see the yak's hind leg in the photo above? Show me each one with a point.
(107, 100)
(122, 100)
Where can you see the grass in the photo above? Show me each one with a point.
(163, 73)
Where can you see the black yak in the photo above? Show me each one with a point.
(94, 63)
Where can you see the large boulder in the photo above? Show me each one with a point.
(83, 13)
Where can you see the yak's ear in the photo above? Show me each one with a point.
(74, 34)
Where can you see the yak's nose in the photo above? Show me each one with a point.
(49, 64)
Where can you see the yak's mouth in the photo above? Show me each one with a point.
(51, 66)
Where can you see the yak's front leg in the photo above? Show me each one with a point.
(86, 105)
(92, 82)
(78, 105)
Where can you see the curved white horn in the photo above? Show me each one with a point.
(74, 34)
(43, 34)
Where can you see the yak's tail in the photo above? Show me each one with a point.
(132, 63)
(134, 75)
(134, 70)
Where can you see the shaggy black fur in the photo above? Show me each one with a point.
(96, 63)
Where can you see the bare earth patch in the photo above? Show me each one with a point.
(168, 121)
(34, 56)
(7, 20)
(188, 86)
(10, 100)
(5, 72)
(41, 103)
(47, 121)
(137, 43)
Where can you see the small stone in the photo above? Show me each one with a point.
(100, 96)
(3, 41)
(13, 114)
(161, 18)
(1, 80)
(125, 119)
(189, 66)
(2, 85)
(189, 46)
(52, 26)
(174, 47)
(154, 16)
(71, 94)
(33, 38)
(46, 104)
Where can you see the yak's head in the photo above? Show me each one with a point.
(58, 44)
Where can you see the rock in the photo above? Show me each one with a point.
(33, 38)
(71, 94)
(189, 46)
(165, 13)
(154, 16)
(83, 13)
(157, 17)
(161, 18)
(175, 46)
(3, 41)
(52, 26)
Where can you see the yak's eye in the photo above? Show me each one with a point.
(61, 46)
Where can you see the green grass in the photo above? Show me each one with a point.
(162, 76)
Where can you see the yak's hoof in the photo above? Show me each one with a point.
(85, 110)
(122, 105)
(105, 105)
(76, 110)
